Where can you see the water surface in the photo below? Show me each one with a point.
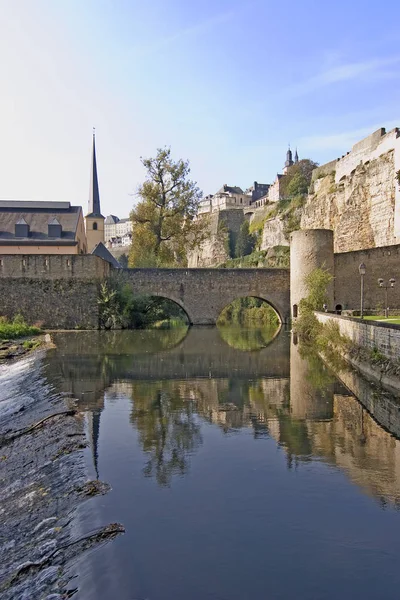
(239, 469)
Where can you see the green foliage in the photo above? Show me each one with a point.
(277, 257)
(109, 309)
(123, 260)
(377, 356)
(298, 178)
(31, 344)
(245, 241)
(16, 328)
(119, 308)
(165, 226)
(398, 177)
(249, 311)
(317, 337)
(316, 282)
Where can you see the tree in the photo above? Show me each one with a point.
(123, 260)
(298, 178)
(245, 241)
(165, 226)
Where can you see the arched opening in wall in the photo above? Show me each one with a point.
(95, 226)
(249, 323)
(129, 311)
(338, 309)
(295, 311)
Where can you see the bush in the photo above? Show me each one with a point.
(16, 328)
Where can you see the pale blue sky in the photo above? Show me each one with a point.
(226, 84)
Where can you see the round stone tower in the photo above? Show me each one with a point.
(309, 249)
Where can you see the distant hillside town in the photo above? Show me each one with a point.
(356, 195)
(256, 196)
(117, 232)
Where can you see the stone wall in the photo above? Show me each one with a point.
(382, 336)
(358, 195)
(60, 292)
(380, 263)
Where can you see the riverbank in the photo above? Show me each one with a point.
(373, 348)
(43, 480)
(16, 348)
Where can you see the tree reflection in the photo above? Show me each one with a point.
(247, 339)
(167, 427)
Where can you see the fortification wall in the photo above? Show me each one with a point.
(380, 263)
(59, 291)
(358, 195)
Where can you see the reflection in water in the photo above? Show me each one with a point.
(210, 450)
(167, 427)
(245, 338)
(309, 414)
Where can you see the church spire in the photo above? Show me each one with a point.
(289, 160)
(296, 157)
(94, 196)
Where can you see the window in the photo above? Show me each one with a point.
(294, 311)
(95, 226)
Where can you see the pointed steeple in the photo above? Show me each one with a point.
(296, 157)
(289, 160)
(94, 196)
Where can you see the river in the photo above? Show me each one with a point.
(238, 468)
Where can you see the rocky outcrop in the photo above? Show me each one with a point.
(214, 250)
(273, 234)
(358, 195)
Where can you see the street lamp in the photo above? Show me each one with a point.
(386, 286)
(362, 269)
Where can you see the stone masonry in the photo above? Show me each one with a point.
(57, 291)
(380, 336)
(203, 293)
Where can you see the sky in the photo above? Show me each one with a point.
(227, 84)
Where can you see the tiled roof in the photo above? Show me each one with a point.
(101, 251)
(111, 220)
(231, 189)
(38, 216)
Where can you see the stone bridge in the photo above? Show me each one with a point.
(203, 293)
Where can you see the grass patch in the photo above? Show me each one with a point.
(390, 320)
(17, 328)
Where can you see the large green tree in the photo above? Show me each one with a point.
(165, 227)
(298, 178)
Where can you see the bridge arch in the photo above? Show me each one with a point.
(169, 297)
(203, 293)
(257, 297)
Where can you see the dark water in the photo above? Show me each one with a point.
(240, 469)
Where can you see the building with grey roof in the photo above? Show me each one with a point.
(41, 228)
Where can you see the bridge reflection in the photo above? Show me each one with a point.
(274, 391)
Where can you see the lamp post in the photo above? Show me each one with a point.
(386, 286)
(362, 269)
